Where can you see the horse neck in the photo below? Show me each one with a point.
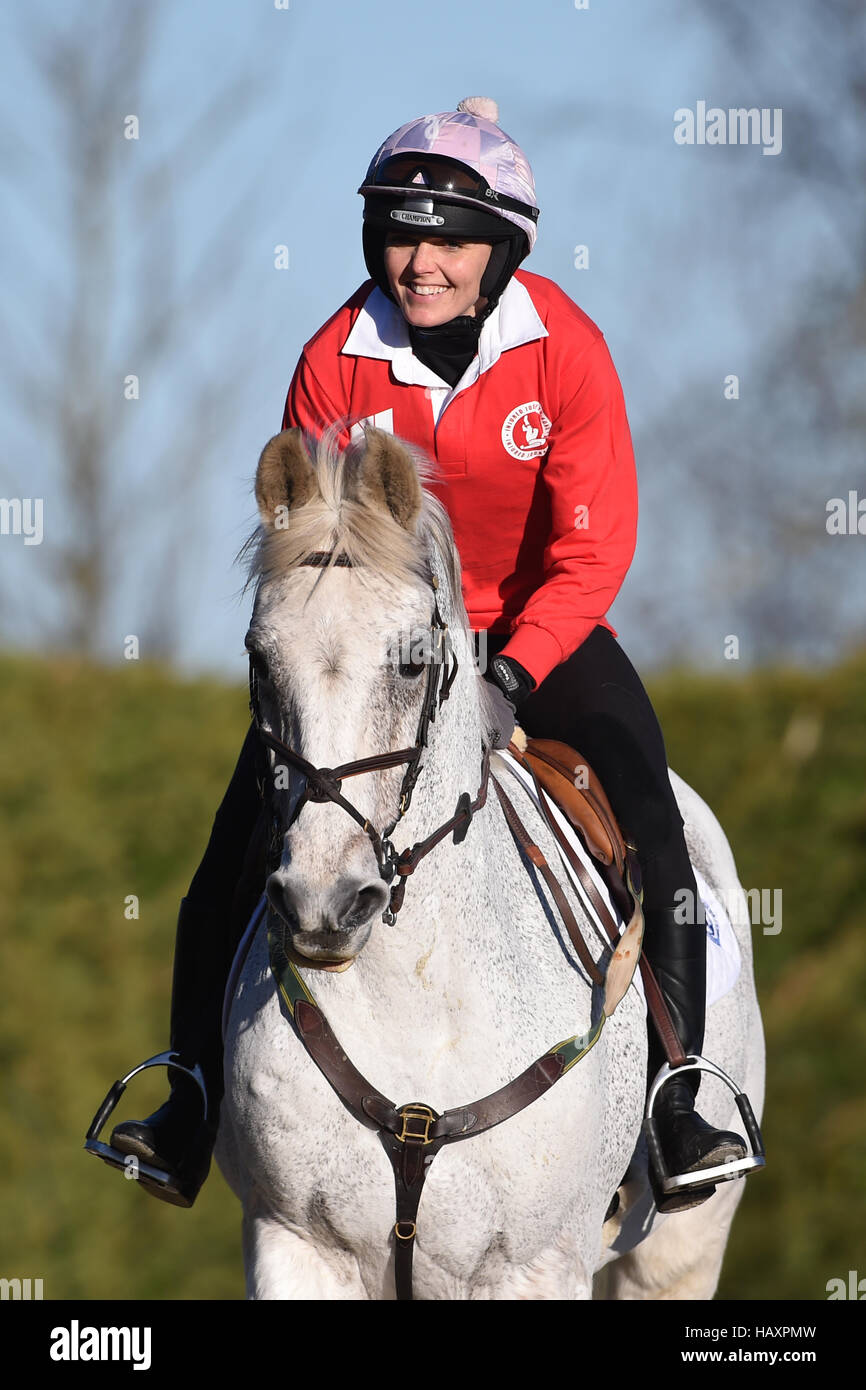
(452, 761)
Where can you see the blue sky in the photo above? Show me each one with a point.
(685, 288)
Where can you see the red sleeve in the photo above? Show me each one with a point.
(590, 476)
(308, 405)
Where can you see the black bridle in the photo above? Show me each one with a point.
(325, 783)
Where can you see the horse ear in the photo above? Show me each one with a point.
(285, 476)
(387, 478)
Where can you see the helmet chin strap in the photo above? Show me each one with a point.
(505, 257)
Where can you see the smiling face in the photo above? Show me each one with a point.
(435, 279)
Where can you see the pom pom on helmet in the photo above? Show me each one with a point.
(485, 107)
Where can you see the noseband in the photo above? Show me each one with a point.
(325, 783)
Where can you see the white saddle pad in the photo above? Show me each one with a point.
(723, 949)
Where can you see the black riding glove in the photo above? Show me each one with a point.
(510, 684)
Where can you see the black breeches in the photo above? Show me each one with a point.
(595, 702)
(229, 880)
(220, 869)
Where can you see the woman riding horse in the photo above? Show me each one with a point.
(498, 376)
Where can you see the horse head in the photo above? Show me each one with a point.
(351, 646)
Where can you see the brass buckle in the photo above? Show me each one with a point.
(420, 1115)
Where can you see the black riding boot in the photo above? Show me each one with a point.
(677, 952)
(212, 918)
(177, 1138)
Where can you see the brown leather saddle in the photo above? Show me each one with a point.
(571, 783)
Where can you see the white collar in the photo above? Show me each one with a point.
(381, 331)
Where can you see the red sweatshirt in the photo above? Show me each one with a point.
(534, 454)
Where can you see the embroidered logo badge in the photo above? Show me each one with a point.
(525, 431)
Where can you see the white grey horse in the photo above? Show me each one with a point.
(467, 987)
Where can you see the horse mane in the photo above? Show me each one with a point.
(337, 521)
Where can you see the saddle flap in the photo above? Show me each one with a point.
(571, 783)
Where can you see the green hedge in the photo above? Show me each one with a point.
(109, 782)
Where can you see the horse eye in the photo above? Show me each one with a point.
(411, 670)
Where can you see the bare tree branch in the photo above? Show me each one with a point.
(68, 382)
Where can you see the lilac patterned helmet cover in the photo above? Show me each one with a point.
(476, 141)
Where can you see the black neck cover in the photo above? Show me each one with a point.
(448, 348)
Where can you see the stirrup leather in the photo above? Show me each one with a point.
(114, 1157)
(701, 1177)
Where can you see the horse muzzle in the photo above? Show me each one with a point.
(330, 927)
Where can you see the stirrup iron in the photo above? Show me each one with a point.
(128, 1162)
(701, 1177)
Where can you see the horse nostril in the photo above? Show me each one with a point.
(357, 906)
(281, 899)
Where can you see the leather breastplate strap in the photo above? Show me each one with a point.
(412, 1134)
